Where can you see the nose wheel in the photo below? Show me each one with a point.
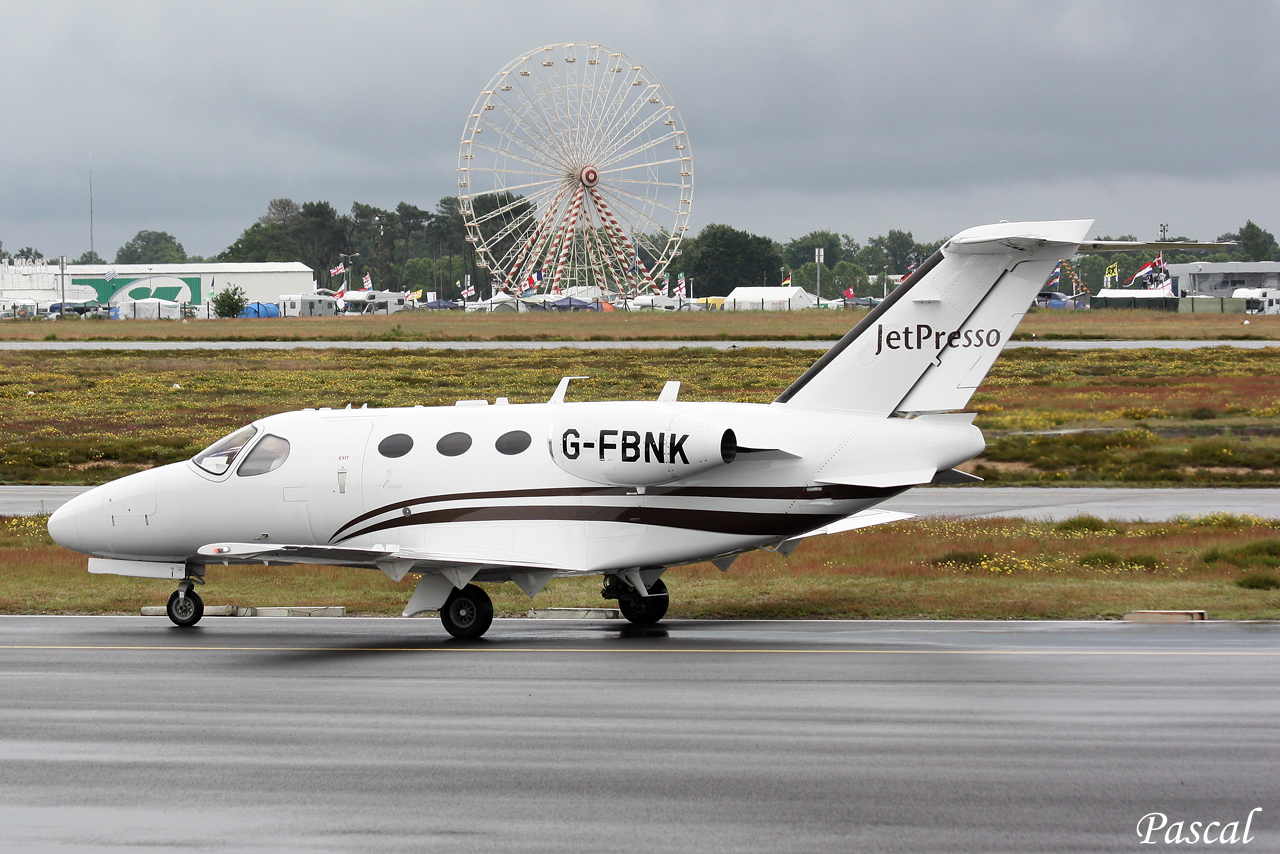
(185, 606)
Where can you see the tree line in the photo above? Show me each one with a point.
(410, 248)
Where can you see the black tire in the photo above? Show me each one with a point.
(646, 610)
(467, 613)
(187, 610)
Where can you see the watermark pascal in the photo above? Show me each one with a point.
(1151, 825)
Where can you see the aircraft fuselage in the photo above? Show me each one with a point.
(581, 487)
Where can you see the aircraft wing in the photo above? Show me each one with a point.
(390, 560)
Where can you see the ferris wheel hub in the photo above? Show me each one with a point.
(588, 176)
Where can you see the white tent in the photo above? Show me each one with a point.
(790, 298)
(146, 309)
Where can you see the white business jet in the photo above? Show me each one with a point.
(526, 493)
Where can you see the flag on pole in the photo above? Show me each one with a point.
(1146, 270)
(416, 295)
(341, 294)
(850, 293)
(786, 283)
(531, 283)
(368, 282)
(680, 286)
(110, 274)
(666, 284)
(338, 270)
(469, 291)
(1054, 278)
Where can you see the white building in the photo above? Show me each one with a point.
(1222, 280)
(792, 298)
(41, 282)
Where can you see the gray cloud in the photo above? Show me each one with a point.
(926, 116)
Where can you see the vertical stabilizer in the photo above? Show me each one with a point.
(929, 345)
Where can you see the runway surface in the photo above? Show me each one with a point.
(1054, 504)
(251, 734)
(574, 345)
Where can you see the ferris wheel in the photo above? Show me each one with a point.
(575, 175)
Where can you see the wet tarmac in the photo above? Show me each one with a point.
(254, 734)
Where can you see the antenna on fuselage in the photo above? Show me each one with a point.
(558, 395)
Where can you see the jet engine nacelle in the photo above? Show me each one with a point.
(628, 445)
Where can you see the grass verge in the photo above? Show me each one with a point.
(1007, 569)
(630, 326)
(1136, 417)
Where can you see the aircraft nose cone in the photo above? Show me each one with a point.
(62, 524)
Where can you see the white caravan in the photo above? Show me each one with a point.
(308, 305)
(530, 492)
(376, 302)
(1258, 300)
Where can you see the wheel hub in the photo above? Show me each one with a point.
(588, 176)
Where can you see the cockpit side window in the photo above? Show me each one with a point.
(268, 455)
(217, 458)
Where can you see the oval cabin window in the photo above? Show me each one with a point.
(454, 444)
(396, 445)
(513, 443)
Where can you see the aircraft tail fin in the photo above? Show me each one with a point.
(928, 346)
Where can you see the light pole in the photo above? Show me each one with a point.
(818, 254)
(377, 251)
(346, 267)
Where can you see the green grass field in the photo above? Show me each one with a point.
(978, 569)
(1205, 417)
(628, 326)
(1134, 417)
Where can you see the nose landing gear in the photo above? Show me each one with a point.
(185, 606)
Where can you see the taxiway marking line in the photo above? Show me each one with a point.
(756, 651)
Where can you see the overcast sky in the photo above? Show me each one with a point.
(855, 117)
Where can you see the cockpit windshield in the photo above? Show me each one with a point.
(218, 457)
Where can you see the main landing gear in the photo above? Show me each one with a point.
(467, 613)
(185, 606)
(640, 610)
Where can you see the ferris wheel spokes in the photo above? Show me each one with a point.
(570, 137)
(536, 239)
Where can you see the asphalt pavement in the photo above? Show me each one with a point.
(253, 734)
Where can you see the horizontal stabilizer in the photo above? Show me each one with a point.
(882, 480)
(1094, 247)
(865, 519)
(948, 476)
